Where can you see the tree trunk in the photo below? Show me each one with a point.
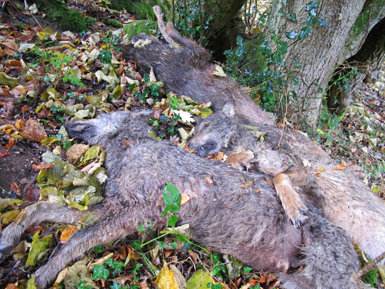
(364, 51)
(309, 62)
(369, 58)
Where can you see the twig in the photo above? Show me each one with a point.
(162, 27)
(369, 266)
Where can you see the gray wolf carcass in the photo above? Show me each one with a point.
(230, 211)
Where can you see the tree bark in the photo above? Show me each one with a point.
(369, 58)
(317, 54)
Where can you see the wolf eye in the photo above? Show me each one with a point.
(209, 145)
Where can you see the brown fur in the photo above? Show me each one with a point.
(224, 214)
(187, 70)
(344, 199)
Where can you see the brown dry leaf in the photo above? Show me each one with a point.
(7, 128)
(10, 46)
(19, 124)
(11, 142)
(184, 199)
(144, 285)
(240, 159)
(217, 156)
(269, 181)
(25, 108)
(13, 65)
(320, 169)
(76, 151)
(190, 150)
(193, 255)
(4, 91)
(41, 166)
(18, 91)
(209, 180)
(340, 167)
(67, 233)
(15, 188)
(33, 131)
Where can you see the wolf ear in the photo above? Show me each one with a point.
(228, 109)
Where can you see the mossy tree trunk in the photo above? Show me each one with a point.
(315, 33)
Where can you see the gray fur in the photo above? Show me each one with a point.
(247, 222)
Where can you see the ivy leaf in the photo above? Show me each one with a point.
(292, 34)
(100, 272)
(323, 22)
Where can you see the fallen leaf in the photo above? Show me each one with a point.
(217, 156)
(42, 166)
(184, 199)
(9, 216)
(38, 248)
(320, 169)
(166, 279)
(33, 130)
(67, 233)
(199, 280)
(76, 151)
(19, 124)
(219, 71)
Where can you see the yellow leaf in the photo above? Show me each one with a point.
(67, 233)
(199, 280)
(38, 248)
(219, 71)
(320, 169)
(19, 124)
(166, 279)
(9, 216)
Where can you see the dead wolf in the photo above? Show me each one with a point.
(230, 211)
(303, 171)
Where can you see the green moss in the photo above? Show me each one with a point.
(113, 22)
(120, 4)
(371, 11)
(140, 26)
(141, 8)
(65, 18)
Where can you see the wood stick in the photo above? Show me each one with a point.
(162, 27)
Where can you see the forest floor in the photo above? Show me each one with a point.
(48, 77)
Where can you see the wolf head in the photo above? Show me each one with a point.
(213, 134)
(106, 126)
